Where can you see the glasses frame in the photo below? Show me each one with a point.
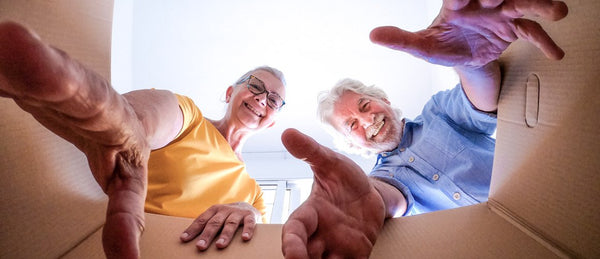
(264, 90)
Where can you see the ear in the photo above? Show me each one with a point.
(228, 94)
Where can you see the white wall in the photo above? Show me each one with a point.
(198, 48)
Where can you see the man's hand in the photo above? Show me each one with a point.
(225, 218)
(473, 33)
(80, 106)
(344, 212)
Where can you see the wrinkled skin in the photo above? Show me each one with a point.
(344, 212)
(474, 33)
(56, 90)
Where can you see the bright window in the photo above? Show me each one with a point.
(282, 197)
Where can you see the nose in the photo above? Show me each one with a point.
(261, 98)
(366, 119)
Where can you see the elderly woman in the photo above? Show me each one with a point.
(147, 149)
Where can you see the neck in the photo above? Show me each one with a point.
(235, 136)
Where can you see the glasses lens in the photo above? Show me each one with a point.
(274, 101)
(256, 86)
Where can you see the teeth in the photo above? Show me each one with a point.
(377, 127)
(374, 129)
(253, 110)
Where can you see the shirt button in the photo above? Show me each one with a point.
(456, 196)
(411, 159)
(436, 177)
(402, 149)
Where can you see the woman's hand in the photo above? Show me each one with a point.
(224, 218)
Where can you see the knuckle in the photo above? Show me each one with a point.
(200, 221)
(215, 222)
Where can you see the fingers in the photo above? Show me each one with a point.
(534, 33)
(197, 226)
(224, 218)
(125, 211)
(210, 223)
(490, 3)
(547, 9)
(455, 4)
(295, 232)
(249, 226)
(459, 4)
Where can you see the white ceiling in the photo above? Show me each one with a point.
(198, 48)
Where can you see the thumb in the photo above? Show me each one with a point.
(305, 148)
(395, 38)
(325, 163)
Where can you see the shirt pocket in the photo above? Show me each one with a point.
(445, 137)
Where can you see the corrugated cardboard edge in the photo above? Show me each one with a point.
(546, 176)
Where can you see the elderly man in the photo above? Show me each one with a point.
(442, 159)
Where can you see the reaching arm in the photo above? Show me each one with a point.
(471, 35)
(345, 210)
(113, 131)
(481, 85)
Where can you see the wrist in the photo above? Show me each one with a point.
(394, 202)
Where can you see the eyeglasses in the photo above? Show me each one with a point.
(256, 87)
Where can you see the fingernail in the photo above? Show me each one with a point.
(246, 235)
(184, 235)
(201, 243)
(221, 241)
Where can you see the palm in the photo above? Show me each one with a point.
(473, 34)
(344, 212)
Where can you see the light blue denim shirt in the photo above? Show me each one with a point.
(445, 157)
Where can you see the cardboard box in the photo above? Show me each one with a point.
(546, 179)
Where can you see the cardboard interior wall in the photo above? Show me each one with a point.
(547, 166)
(50, 201)
(545, 187)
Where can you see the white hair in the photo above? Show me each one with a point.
(274, 71)
(326, 105)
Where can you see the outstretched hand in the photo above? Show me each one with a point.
(80, 106)
(475, 32)
(344, 212)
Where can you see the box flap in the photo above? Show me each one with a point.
(467, 232)
(547, 169)
(161, 240)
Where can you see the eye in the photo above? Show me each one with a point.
(274, 101)
(365, 106)
(352, 126)
(256, 88)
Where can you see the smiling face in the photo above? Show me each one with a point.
(368, 122)
(250, 110)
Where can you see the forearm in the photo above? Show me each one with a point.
(394, 200)
(481, 85)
